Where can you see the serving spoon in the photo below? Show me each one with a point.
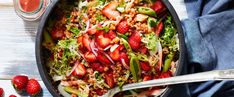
(215, 75)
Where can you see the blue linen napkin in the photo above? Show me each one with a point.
(209, 37)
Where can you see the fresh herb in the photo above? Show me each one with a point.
(98, 76)
(99, 16)
(64, 52)
(75, 30)
(123, 80)
(169, 30)
(105, 28)
(169, 38)
(102, 1)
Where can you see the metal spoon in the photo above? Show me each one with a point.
(196, 77)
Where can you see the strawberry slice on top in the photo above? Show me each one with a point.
(115, 55)
(135, 40)
(102, 58)
(158, 6)
(86, 41)
(102, 41)
(110, 10)
(109, 80)
(111, 34)
(98, 67)
(90, 57)
(80, 70)
(123, 27)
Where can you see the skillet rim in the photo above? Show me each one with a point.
(42, 68)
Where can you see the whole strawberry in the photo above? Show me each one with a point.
(33, 87)
(19, 82)
(1, 92)
(12, 95)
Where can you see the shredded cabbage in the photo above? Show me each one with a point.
(150, 41)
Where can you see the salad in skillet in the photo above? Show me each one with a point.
(96, 45)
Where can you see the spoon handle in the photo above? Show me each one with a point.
(196, 77)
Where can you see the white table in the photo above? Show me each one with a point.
(17, 46)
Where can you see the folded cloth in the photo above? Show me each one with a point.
(209, 37)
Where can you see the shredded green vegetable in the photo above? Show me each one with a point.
(150, 41)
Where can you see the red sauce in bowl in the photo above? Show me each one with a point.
(29, 5)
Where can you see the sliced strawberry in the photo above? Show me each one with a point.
(136, 36)
(115, 55)
(99, 32)
(147, 77)
(145, 66)
(99, 92)
(123, 27)
(33, 87)
(158, 6)
(19, 82)
(80, 70)
(82, 49)
(1, 92)
(165, 74)
(97, 67)
(110, 10)
(92, 31)
(159, 28)
(86, 41)
(57, 33)
(124, 56)
(120, 47)
(111, 34)
(109, 80)
(135, 45)
(103, 42)
(102, 58)
(135, 40)
(90, 57)
(143, 50)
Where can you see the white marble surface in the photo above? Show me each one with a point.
(17, 40)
